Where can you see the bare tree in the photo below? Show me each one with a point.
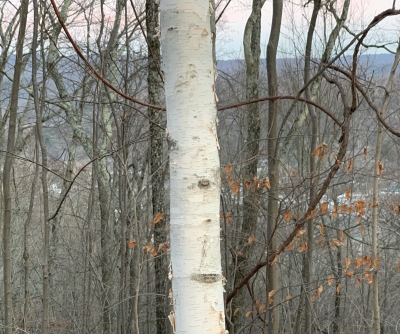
(7, 169)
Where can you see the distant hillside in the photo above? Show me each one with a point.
(378, 64)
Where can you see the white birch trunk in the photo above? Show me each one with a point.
(194, 167)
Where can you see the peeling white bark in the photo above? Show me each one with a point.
(194, 167)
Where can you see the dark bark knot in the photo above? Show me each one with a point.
(206, 278)
(204, 184)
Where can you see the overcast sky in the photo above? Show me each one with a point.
(295, 25)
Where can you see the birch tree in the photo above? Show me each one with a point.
(197, 291)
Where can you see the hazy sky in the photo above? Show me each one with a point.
(295, 24)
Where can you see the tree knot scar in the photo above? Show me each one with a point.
(204, 184)
(206, 278)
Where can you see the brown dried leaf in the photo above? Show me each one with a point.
(338, 287)
(350, 274)
(261, 308)
(362, 230)
(324, 208)
(334, 213)
(321, 229)
(165, 247)
(380, 168)
(251, 239)
(148, 247)
(347, 194)
(341, 235)
(271, 293)
(293, 173)
(299, 233)
(317, 293)
(287, 216)
(236, 311)
(360, 207)
(153, 252)
(270, 301)
(368, 262)
(157, 218)
(348, 262)
(131, 244)
(171, 318)
(357, 262)
(312, 214)
(249, 313)
(228, 169)
(235, 188)
(330, 279)
(319, 151)
(337, 242)
(365, 152)
(303, 247)
(349, 165)
(267, 183)
(391, 208)
(288, 297)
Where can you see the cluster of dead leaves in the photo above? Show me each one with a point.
(320, 151)
(252, 185)
(149, 249)
(317, 293)
(392, 208)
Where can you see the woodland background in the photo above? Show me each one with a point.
(86, 182)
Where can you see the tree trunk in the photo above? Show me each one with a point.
(194, 168)
(313, 171)
(273, 167)
(8, 164)
(156, 161)
(251, 197)
(375, 199)
(38, 106)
